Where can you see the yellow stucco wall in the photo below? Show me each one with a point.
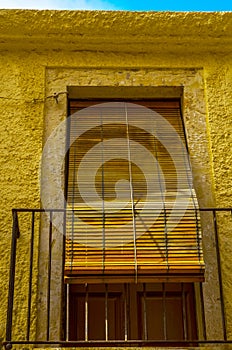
(116, 44)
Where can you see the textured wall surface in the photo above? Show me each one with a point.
(41, 52)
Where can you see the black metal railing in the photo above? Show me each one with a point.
(24, 289)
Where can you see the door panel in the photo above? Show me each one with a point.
(101, 310)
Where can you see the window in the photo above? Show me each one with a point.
(158, 311)
(132, 232)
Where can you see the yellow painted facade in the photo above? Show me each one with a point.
(45, 52)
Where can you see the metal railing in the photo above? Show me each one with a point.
(22, 310)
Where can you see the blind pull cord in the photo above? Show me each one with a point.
(103, 199)
(131, 193)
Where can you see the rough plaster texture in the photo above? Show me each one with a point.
(42, 52)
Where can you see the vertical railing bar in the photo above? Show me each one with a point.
(145, 311)
(184, 311)
(49, 274)
(65, 298)
(72, 235)
(166, 237)
(219, 275)
(15, 235)
(164, 310)
(30, 274)
(106, 312)
(203, 312)
(125, 313)
(67, 311)
(86, 312)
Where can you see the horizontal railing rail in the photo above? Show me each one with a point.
(216, 220)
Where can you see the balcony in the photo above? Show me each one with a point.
(39, 308)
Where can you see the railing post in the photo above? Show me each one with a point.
(15, 235)
(30, 274)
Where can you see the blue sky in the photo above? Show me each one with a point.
(133, 5)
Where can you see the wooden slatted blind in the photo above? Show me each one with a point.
(132, 210)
